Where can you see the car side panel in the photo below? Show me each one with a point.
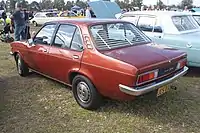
(107, 73)
(63, 61)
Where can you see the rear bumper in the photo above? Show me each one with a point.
(141, 91)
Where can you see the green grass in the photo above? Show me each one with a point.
(38, 105)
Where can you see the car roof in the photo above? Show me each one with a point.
(159, 13)
(87, 21)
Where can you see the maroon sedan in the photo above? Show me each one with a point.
(100, 58)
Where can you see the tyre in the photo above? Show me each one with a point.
(85, 93)
(35, 24)
(22, 68)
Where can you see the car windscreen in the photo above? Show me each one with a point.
(184, 23)
(51, 15)
(197, 18)
(115, 35)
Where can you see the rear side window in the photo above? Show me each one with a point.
(64, 36)
(184, 23)
(68, 37)
(149, 24)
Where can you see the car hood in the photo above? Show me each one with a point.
(143, 56)
(105, 9)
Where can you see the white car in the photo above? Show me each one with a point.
(177, 30)
(42, 17)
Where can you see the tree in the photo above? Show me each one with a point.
(46, 4)
(160, 4)
(24, 3)
(59, 4)
(187, 3)
(34, 5)
(2, 5)
(68, 5)
(81, 4)
(138, 3)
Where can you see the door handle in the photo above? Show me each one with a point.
(189, 45)
(75, 57)
(158, 36)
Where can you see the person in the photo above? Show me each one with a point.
(19, 23)
(27, 27)
(88, 13)
(4, 16)
(186, 9)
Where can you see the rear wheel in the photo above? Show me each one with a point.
(85, 93)
(22, 68)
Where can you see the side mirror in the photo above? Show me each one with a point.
(31, 42)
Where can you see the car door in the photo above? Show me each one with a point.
(66, 52)
(38, 53)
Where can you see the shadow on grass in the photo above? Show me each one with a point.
(193, 72)
(177, 108)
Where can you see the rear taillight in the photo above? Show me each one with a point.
(181, 64)
(149, 76)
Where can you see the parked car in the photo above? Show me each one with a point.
(175, 29)
(42, 17)
(99, 60)
(69, 14)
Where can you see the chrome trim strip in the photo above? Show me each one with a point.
(50, 77)
(138, 92)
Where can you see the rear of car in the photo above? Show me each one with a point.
(157, 66)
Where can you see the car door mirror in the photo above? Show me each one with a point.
(31, 42)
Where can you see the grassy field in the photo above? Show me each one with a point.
(38, 105)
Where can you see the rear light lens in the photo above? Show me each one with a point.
(181, 64)
(149, 76)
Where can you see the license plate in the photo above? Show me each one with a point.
(162, 90)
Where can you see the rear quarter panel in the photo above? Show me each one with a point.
(107, 73)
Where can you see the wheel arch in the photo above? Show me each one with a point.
(73, 74)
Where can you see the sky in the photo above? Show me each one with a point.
(153, 2)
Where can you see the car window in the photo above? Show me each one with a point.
(51, 15)
(45, 35)
(184, 23)
(116, 35)
(64, 36)
(197, 18)
(77, 43)
(149, 24)
(132, 19)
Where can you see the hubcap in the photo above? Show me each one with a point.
(19, 66)
(83, 92)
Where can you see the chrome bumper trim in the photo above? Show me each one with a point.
(141, 91)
